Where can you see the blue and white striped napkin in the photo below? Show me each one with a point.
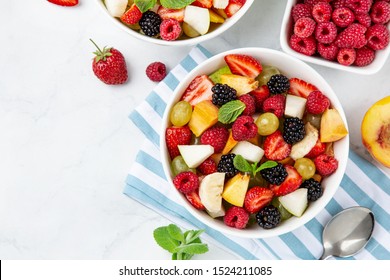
(363, 184)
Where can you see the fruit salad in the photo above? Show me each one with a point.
(248, 143)
(173, 20)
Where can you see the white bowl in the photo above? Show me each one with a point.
(292, 67)
(286, 31)
(185, 42)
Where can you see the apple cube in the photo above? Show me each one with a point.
(220, 4)
(198, 18)
(116, 8)
(295, 106)
(248, 151)
(295, 202)
(194, 155)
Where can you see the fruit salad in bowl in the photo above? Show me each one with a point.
(255, 142)
(175, 23)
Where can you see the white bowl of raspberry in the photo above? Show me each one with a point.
(254, 142)
(349, 35)
(175, 23)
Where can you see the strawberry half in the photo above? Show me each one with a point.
(244, 65)
(194, 199)
(290, 184)
(260, 94)
(132, 15)
(67, 3)
(166, 13)
(234, 6)
(275, 148)
(198, 90)
(203, 3)
(256, 198)
(319, 148)
(175, 136)
(301, 88)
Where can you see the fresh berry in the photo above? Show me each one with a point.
(317, 102)
(363, 19)
(325, 164)
(236, 217)
(377, 37)
(166, 13)
(226, 165)
(223, 94)
(186, 182)
(215, 136)
(275, 104)
(194, 199)
(175, 136)
(304, 27)
(233, 7)
(322, 12)
(150, 23)
(203, 3)
(274, 175)
(343, 17)
(198, 90)
(306, 46)
(319, 148)
(244, 128)
(314, 189)
(243, 65)
(352, 37)
(132, 15)
(301, 88)
(249, 102)
(359, 6)
(109, 66)
(268, 217)
(156, 71)
(256, 198)
(260, 94)
(364, 56)
(278, 84)
(275, 148)
(290, 184)
(170, 29)
(313, 2)
(68, 3)
(338, 4)
(328, 51)
(380, 12)
(346, 56)
(300, 10)
(326, 32)
(208, 167)
(293, 130)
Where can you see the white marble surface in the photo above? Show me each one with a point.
(66, 143)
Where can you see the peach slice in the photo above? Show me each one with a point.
(332, 126)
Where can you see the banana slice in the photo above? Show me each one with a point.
(210, 192)
(304, 146)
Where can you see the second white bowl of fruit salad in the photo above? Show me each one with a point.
(254, 142)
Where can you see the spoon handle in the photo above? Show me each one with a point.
(325, 255)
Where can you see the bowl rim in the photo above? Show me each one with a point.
(187, 42)
(200, 215)
(365, 70)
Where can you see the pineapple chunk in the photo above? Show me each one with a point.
(235, 189)
(204, 116)
(241, 84)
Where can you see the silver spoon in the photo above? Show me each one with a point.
(347, 232)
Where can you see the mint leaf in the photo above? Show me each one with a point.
(192, 235)
(267, 164)
(242, 164)
(230, 111)
(144, 5)
(175, 232)
(194, 248)
(162, 237)
(175, 4)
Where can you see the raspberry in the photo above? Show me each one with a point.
(304, 27)
(156, 71)
(352, 37)
(346, 56)
(363, 19)
(260, 94)
(305, 46)
(249, 102)
(317, 103)
(208, 167)
(275, 104)
(322, 12)
(328, 51)
(326, 32)
(359, 6)
(380, 12)
(236, 217)
(300, 10)
(377, 37)
(364, 56)
(216, 137)
(244, 128)
(313, 2)
(343, 17)
(338, 4)
(325, 164)
(170, 29)
(186, 182)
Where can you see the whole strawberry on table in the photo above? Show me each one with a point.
(247, 141)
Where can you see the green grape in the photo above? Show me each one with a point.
(267, 124)
(181, 113)
(283, 212)
(315, 120)
(305, 167)
(266, 74)
(178, 165)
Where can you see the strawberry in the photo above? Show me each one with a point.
(243, 65)
(203, 3)
(290, 184)
(260, 94)
(233, 7)
(215, 136)
(194, 199)
(208, 167)
(68, 3)
(300, 87)
(109, 66)
(275, 148)
(319, 148)
(175, 136)
(256, 198)
(166, 13)
(132, 15)
(198, 90)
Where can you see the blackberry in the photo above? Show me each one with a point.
(293, 130)
(274, 175)
(268, 217)
(226, 165)
(278, 84)
(314, 189)
(223, 94)
(150, 23)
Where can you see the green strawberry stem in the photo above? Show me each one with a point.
(101, 54)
